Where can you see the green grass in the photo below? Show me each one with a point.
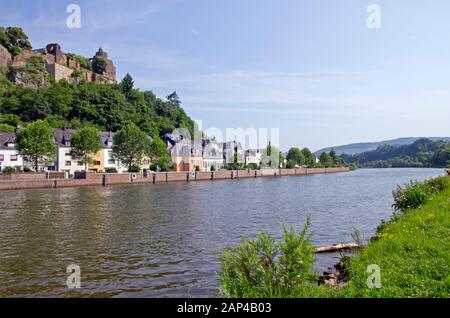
(412, 251)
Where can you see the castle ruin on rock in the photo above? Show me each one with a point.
(66, 66)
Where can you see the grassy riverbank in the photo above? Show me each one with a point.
(411, 250)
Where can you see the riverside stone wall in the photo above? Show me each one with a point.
(55, 180)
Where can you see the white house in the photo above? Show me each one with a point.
(64, 162)
(9, 156)
(253, 156)
(101, 160)
(107, 156)
(212, 155)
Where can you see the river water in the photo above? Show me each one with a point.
(159, 240)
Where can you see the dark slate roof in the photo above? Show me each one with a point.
(62, 136)
(186, 148)
(5, 138)
(213, 150)
(106, 138)
(253, 152)
(232, 145)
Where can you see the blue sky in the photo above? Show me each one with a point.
(310, 68)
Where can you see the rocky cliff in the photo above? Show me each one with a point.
(5, 58)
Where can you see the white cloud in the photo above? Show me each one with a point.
(350, 94)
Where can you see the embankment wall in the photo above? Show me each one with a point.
(56, 180)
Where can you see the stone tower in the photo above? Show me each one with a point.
(55, 50)
(110, 70)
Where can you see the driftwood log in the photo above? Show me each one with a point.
(337, 247)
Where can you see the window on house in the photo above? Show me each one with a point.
(68, 163)
(13, 158)
(111, 161)
(2, 157)
(67, 153)
(10, 145)
(80, 163)
(98, 163)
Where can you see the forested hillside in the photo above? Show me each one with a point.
(105, 106)
(356, 148)
(422, 153)
(76, 103)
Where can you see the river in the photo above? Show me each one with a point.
(159, 240)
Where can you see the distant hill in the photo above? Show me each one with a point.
(356, 148)
(421, 153)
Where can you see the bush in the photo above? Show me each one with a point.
(110, 170)
(437, 184)
(99, 65)
(213, 168)
(265, 267)
(8, 170)
(165, 164)
(290, 164)
(414, 194)
(26, 169)
(253, 166)
(134, 169)
(15, 51)
(6, 128)
(197, 168)
(84, 62)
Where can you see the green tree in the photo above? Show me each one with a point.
(35, 143)
(4, 38)
(337, 160)
(164, 163)
(290, 164)
(85, 143)
(127, 84)
(442, 157)
(14, 39)
(333, 155)
(295, 155)
(10, 119)
(238, 162)
(99, 65)
(6, 128)
(272, 157)
(157, 152)
(326, 160)
(174, 99)
(130, 143)
(310, 159)
(59, 97)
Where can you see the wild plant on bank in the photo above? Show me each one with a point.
(266, 267)
(358, 238)
(414, 194)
